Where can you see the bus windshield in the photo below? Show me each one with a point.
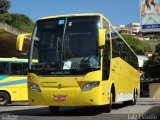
(66, 43)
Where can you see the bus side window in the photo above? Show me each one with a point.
(25, 68)
(3, 68)
(16, 68)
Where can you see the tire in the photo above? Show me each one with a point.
(4, 98)
(135, 98)
(54, 109)
(107, 108)
(133, 102)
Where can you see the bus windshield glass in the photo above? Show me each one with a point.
(66, 43)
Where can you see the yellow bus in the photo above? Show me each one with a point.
(82, 61)
(13, 80)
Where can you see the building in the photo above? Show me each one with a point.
(131, 29)
(123, 30)
(135, 28)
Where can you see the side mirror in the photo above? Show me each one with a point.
(20, 41)
(101, 37)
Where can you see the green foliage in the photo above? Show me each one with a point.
(157, 51)
(152, 43)
(4, 6)
(155, 59)
(19, 21)
(152, 66)
(138, 46)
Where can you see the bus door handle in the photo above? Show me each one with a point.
(115, 66)
(113, 70)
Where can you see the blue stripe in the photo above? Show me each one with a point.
(3, 77)
(13, 82)
(151, 26)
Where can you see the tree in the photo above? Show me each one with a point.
(155, 59)
(157, 49)
(19, 21)
(152, 66)
(4, 6)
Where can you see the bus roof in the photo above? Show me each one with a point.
(71, 15)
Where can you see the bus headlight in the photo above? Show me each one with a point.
(89, 86)
(34, 87)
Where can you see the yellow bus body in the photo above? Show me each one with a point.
(125, 80)
(70, 88)
(15, 86)
(122, 76)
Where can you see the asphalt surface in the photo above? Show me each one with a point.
(146, 109)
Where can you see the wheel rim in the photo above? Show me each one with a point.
(2, 99)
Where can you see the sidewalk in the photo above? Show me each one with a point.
(148, 101)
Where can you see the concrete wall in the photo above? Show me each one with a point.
(8, 36)
(5, 28)
(154, 90)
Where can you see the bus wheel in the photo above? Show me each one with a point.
(4, 98)
(54, 109)
(135, 98)
(133, 102)
(107, 108)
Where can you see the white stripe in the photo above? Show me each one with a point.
(124, 97)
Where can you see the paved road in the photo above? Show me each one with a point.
(145, 109)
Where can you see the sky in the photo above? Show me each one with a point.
(119, 12)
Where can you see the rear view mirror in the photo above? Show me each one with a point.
(101, 37)
(21, 40)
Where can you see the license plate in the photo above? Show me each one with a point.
(59, 98)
